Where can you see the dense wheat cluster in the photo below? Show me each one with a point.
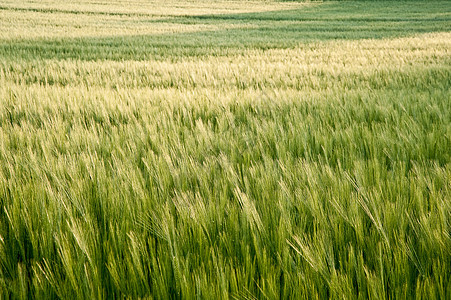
(225, 149)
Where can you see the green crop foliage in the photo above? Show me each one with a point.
(225, 149)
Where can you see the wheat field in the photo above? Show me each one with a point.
(225, 149)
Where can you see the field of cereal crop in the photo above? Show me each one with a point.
(225, 149)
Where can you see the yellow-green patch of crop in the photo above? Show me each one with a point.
(319, 66)
(53, 19)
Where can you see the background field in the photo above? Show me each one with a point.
(226, 149)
